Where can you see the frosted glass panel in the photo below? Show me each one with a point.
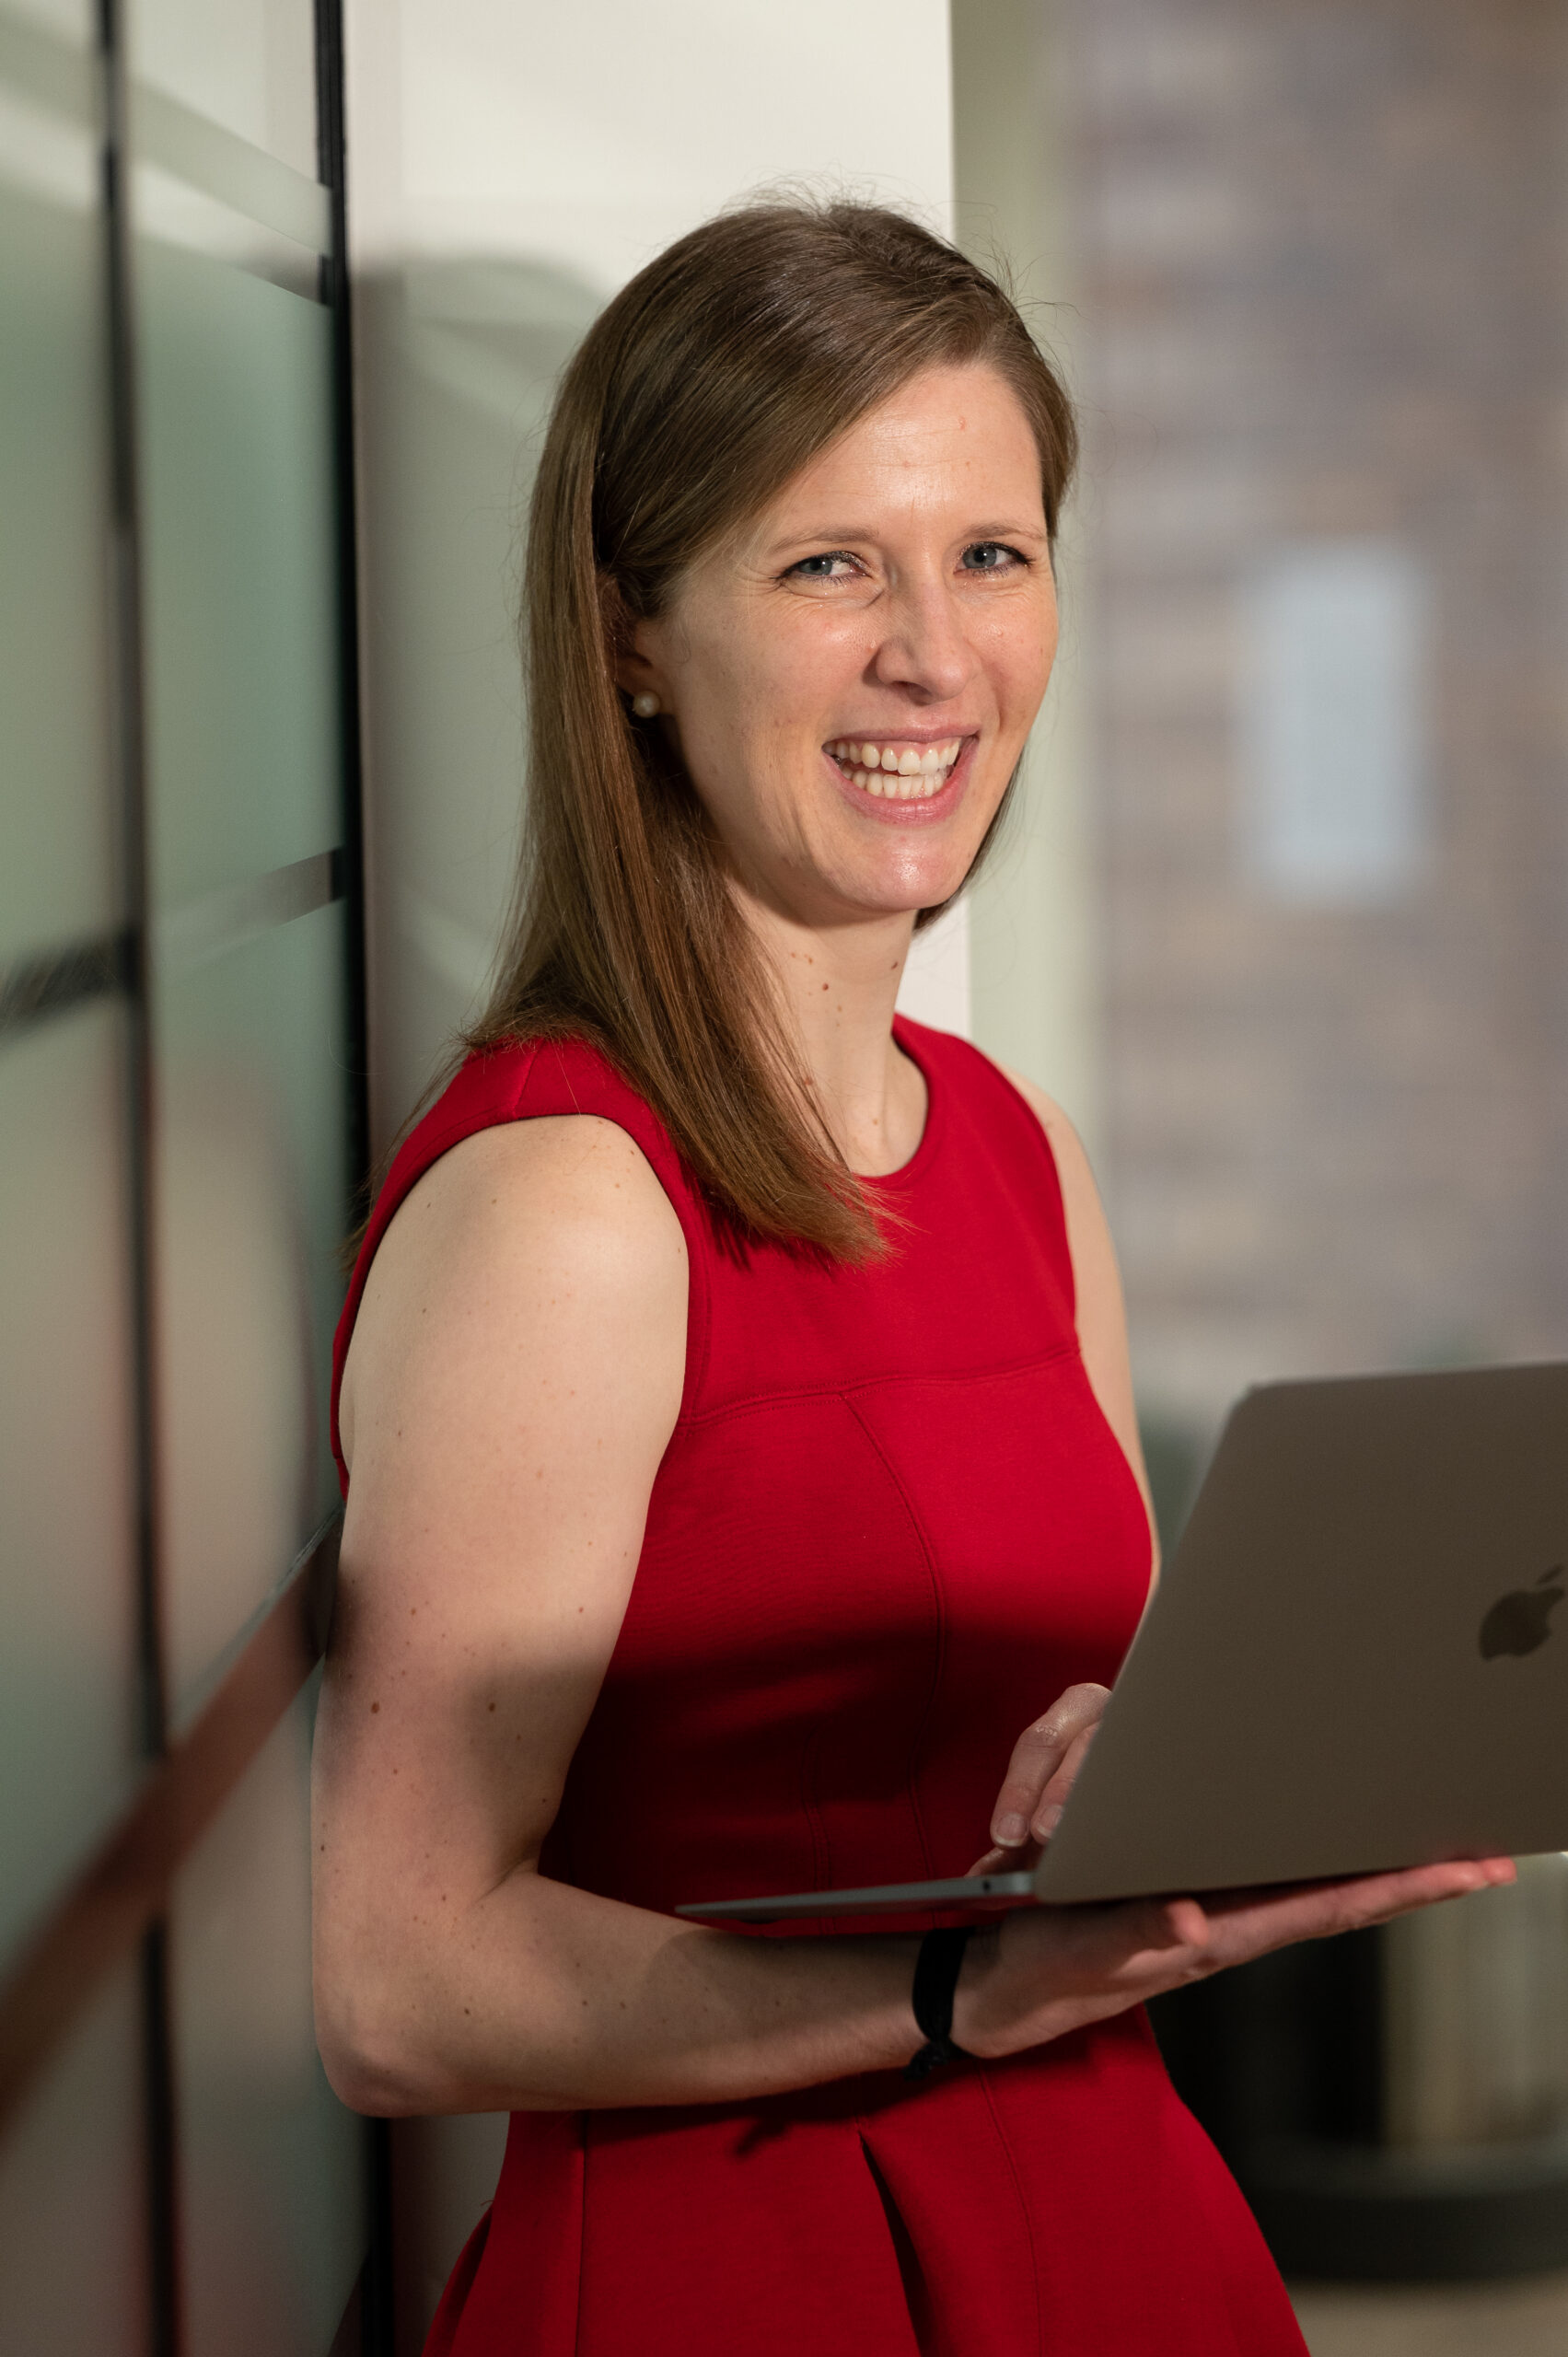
(271, 2162)
(73, 2279)
(66, 1577)
(248, 65)
(252, 1208)
(56, 875)
(240, 602)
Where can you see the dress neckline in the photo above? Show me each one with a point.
(908, 1172)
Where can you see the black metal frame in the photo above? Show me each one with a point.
(378, 2324)
(167, 2336)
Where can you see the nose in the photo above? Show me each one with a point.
(924, 649)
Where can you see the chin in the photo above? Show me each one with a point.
(903, 899)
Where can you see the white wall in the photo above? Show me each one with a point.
(510, 166)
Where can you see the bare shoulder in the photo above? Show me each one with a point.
(549, 1235)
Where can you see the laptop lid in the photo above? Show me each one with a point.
(1358, 1658)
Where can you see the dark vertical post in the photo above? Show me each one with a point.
(377, 2319)
(166, 2334)
(331, 145)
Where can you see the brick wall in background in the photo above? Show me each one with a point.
(1324, 285)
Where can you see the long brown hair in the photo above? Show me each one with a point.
(703, 388)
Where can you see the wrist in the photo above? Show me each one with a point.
(936, 1970)
(972, 2027)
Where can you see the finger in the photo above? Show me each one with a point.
(1188, 1922)
(1362, 1895)
(1379, 1898)
(1042, 1823)
(1037, 1755)
(1008, 1862)
(1252, 1924)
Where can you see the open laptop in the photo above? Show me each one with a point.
(1357, 1658)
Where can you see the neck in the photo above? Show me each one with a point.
(837, 987)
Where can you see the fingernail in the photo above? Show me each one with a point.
(1009, 1830)
(1045, 1823)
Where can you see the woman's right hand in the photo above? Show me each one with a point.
(1044, 1971)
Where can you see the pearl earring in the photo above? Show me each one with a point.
(646, 705)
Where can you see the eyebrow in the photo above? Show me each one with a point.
(838, 534)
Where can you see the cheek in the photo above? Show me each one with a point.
(1021, 665)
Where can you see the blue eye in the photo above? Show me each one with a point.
(991, 556)
(820, 568)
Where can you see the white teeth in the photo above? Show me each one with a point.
(895, 776)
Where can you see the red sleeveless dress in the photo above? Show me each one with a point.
(890, 1527)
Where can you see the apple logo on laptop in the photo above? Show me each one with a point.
(1518, 1622)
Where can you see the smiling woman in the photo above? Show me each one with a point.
(734, 1391)
(808, 463)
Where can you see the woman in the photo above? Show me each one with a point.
(736, 1398)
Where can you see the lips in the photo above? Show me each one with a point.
(893, 769)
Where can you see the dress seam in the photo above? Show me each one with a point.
(939, 1606)
(582, 2233)
(1019, 2195)
(1068, 1348)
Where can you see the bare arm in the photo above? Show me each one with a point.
(513, 1383)
(515, 1376)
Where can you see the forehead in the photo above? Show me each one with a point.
(948, 436)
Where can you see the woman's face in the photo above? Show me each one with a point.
(850, 678)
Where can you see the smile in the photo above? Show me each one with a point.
(897, 773)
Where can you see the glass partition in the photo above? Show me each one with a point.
(57, 878)
(67, 1558)
(271, 2188)
(245, 808)
(177, 1056)
(73, 2276)
(68, 1741)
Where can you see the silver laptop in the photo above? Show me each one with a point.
(1357, 1658)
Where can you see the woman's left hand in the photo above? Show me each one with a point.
(1046, 1760)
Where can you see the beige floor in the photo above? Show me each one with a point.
(1527, 2318)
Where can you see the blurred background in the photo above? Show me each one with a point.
(284, 291)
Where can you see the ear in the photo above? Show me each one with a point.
(633, 663)
(635, 672)
(639, 664)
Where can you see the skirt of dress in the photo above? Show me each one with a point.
(1062, 2204)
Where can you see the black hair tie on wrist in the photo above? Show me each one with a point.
(936, 1979)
